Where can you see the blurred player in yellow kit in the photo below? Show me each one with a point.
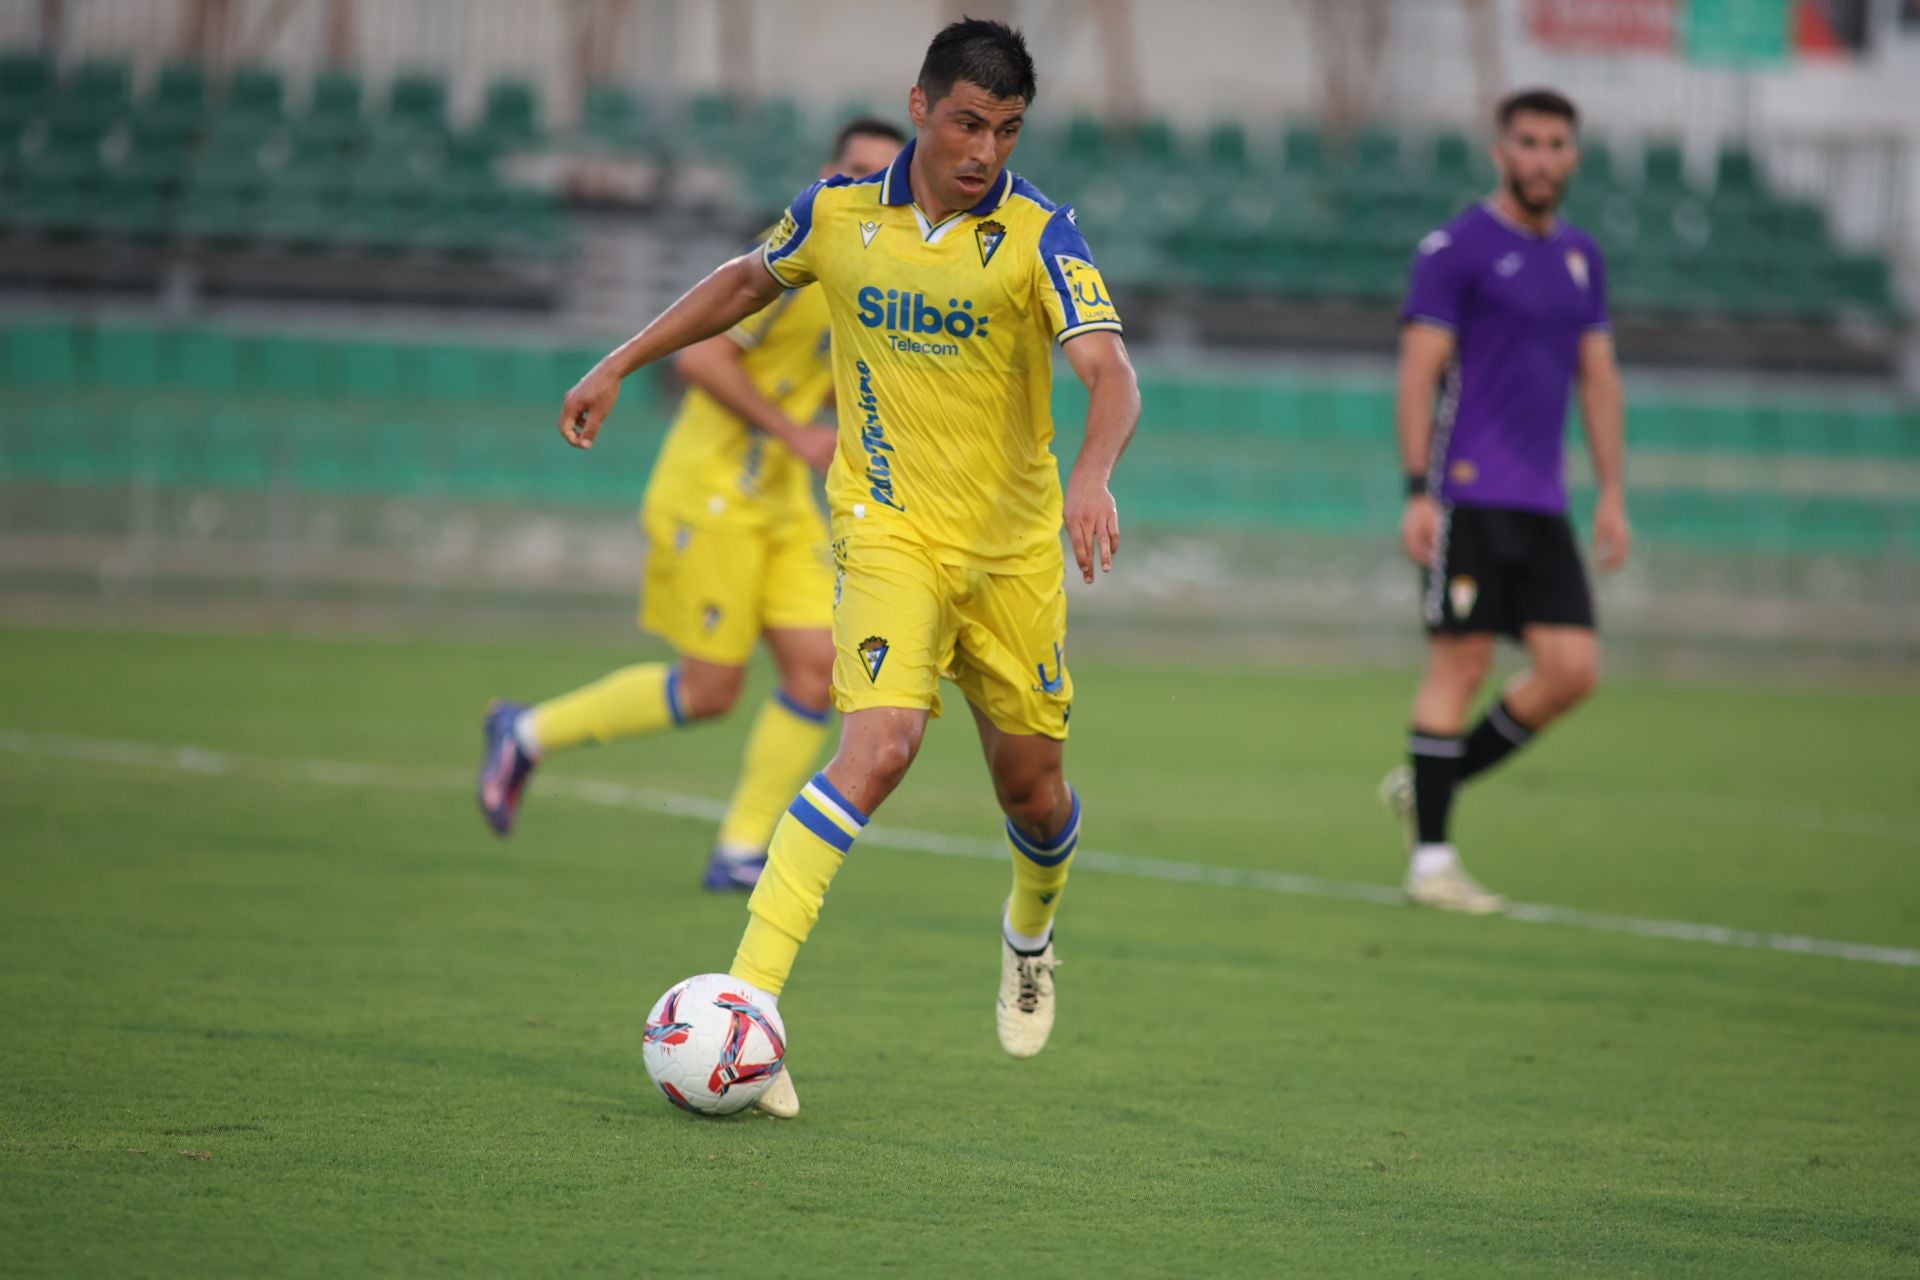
(737, 550)
(949, 281)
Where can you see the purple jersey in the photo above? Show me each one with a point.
(1518, 304)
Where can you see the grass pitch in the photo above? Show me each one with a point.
(263, 1019)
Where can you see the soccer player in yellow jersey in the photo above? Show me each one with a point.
(736, 551)
(949, 280)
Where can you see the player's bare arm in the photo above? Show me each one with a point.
(1113, 410)
(1603, 411)
(715, 365)
(1425, 350)
(725, 298)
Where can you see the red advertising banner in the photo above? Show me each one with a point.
(1603, 26)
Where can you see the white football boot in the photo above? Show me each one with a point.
(1025, 1013)
(780, 1099)
(1448, 888)
(1451, 889)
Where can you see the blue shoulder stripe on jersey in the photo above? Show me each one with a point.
(1021, 187)
(1060, 238)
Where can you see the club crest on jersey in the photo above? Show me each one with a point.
(988, 236)
(783, 232)
(873, 654)
(1577, 267)
(1088, 290)
(1510, 264)
(1462, 592)
(868, 230)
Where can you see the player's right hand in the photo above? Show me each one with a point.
(1420, 530)
(814, 446)
(588, 405)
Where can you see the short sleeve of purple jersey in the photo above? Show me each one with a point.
(1597, 296)
(1437, 293)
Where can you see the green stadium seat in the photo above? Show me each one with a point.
(418, 100)
(1376, 152)
(26, 75)
(1452, 158)
(1227, 149)
(511, 115)
(1085, 145)
(1597, 171)
(333, 110)
(1736, 173)
(97, 93)
(130, 207)
(255, 91)
(1303, 150)
(443, 372)
(178, 108)
(1663, 168)
(612, 114)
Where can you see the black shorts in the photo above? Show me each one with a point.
(1500, 570)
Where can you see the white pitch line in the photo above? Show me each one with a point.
(205, 763)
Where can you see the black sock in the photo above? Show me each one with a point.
(1497, 736)
(1436, 764)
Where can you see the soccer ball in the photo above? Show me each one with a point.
(712, 1046)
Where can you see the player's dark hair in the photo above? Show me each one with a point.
(866, 127)
(990, 54)
(1543, 102)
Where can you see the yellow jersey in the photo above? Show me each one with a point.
(715, 469)
(943, 338)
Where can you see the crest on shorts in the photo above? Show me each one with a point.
(710, 616)
(1054, 683)
(873, 653)
(1462, 592)
(1577, 267)
(988, 236)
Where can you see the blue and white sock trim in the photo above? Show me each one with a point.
(1049, 853)
(821, 809)
(674, 708)
(809, 714)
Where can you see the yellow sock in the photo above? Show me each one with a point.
(808, 847)
(630, 703)
(785, 742)
(1039, 875)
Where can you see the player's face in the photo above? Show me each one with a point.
(864, 153)
(1537, 155)
(965, 139)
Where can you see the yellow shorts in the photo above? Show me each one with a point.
(711, 590)
(902, 620)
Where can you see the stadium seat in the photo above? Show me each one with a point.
(1227, 149)
(613, 115)
(418, 100)
(333, 111)
(510, 117)
(1303, 150)
(256, 92)
(1663, 169)
(284, 366)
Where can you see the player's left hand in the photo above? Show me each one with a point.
(588, 405)
(1093, 523)
(1612, 535)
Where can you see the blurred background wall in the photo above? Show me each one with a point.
(290, 290)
